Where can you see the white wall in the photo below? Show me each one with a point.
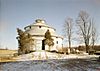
(38, 43)
(40, 32)
(35, 30)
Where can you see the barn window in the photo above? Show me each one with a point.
(39, 26)
(30, 27)
(56, 37)
(57, 42)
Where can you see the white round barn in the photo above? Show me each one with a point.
(38, 30)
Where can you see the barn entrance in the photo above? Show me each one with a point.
(43, 45)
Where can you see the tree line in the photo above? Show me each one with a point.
(86, 30)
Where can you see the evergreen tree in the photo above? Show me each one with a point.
(48, 39)
(25, 42)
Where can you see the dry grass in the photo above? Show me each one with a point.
(7, 55)
(5, 52)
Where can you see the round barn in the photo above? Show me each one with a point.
(38, 30)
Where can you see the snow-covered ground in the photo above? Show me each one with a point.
(47, 61)
(43, 55)
(52, 65)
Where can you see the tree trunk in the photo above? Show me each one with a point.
(49, 48)
(69, 49)
(87, 48)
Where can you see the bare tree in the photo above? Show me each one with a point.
(68, 31)
(86, 29)
(93, 35)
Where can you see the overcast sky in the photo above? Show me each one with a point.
(20, 13)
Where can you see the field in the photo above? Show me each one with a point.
(6, 55)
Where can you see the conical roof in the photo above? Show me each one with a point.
(39, 28)
(40, 22)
